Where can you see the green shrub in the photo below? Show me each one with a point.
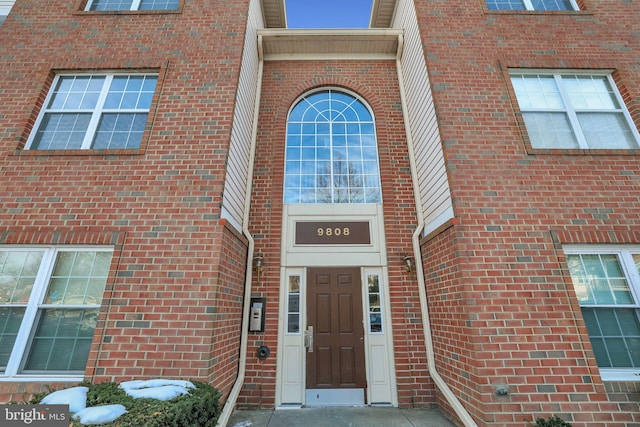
(552, 422)
(200, 407)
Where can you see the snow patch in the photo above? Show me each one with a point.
(138, 384)
(156, 389)
(100, 414)
(75, 397)
(166, 392)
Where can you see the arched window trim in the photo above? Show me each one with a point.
(333, 89)
(312, 173)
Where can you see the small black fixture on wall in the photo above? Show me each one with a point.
(258, 261)
(408, 262)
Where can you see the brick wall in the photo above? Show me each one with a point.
(516, 321)
(172, 307)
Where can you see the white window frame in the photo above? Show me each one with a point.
(624, 254)
(29, 322)
(529, 6)
(96, 112)
(135, 5)
(571, 111)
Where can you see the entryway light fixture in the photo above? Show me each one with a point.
(258, 259)
(408, 262)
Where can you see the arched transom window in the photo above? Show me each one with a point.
(332, 154)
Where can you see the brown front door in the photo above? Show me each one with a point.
(334, 310)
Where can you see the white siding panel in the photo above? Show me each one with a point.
(437, 206)
(236, 181)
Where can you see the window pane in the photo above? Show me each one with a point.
(375, 312)
(61, 131)
(293, 306)
(552, 5)
(590, 92)
(505, 4)
(607, 130)
(76, 92)
(375, 320)
(61, 341)
(294, 303)
(614, 334)
(120, 131)
(18, 272)
(549, 130)
(78, 278)
(537, 92)
(10, 320)
(130, 92)
(293, 323)
(110, 5)
(618, 352)
(598, 279)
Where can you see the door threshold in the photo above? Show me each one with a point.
(286, 406)
(334, 397)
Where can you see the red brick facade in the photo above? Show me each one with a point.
(503, 306)
(172, 307)
(501, 302)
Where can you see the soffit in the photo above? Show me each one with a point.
(382, 12)
(275, 16)
(283, 44)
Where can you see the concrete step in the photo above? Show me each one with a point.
(340, 416)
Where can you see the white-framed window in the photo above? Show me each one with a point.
(97, 111)
(532, 5)
(103, 5)
(571, 110)
(49, 303)
(606, 280)
(331, 151)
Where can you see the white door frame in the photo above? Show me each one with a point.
(372, 260)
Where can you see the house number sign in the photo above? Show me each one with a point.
(332, 233)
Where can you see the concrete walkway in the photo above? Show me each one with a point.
(340, 416)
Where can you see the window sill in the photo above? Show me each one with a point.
(537, 12)
(48, 153)
(42, 378)
(583, 152)
(128, 12)
(620, 374)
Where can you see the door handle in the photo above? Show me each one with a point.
(308, 339)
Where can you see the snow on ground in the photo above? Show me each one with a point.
(76, 398)
(156, 389)
(100, 414)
